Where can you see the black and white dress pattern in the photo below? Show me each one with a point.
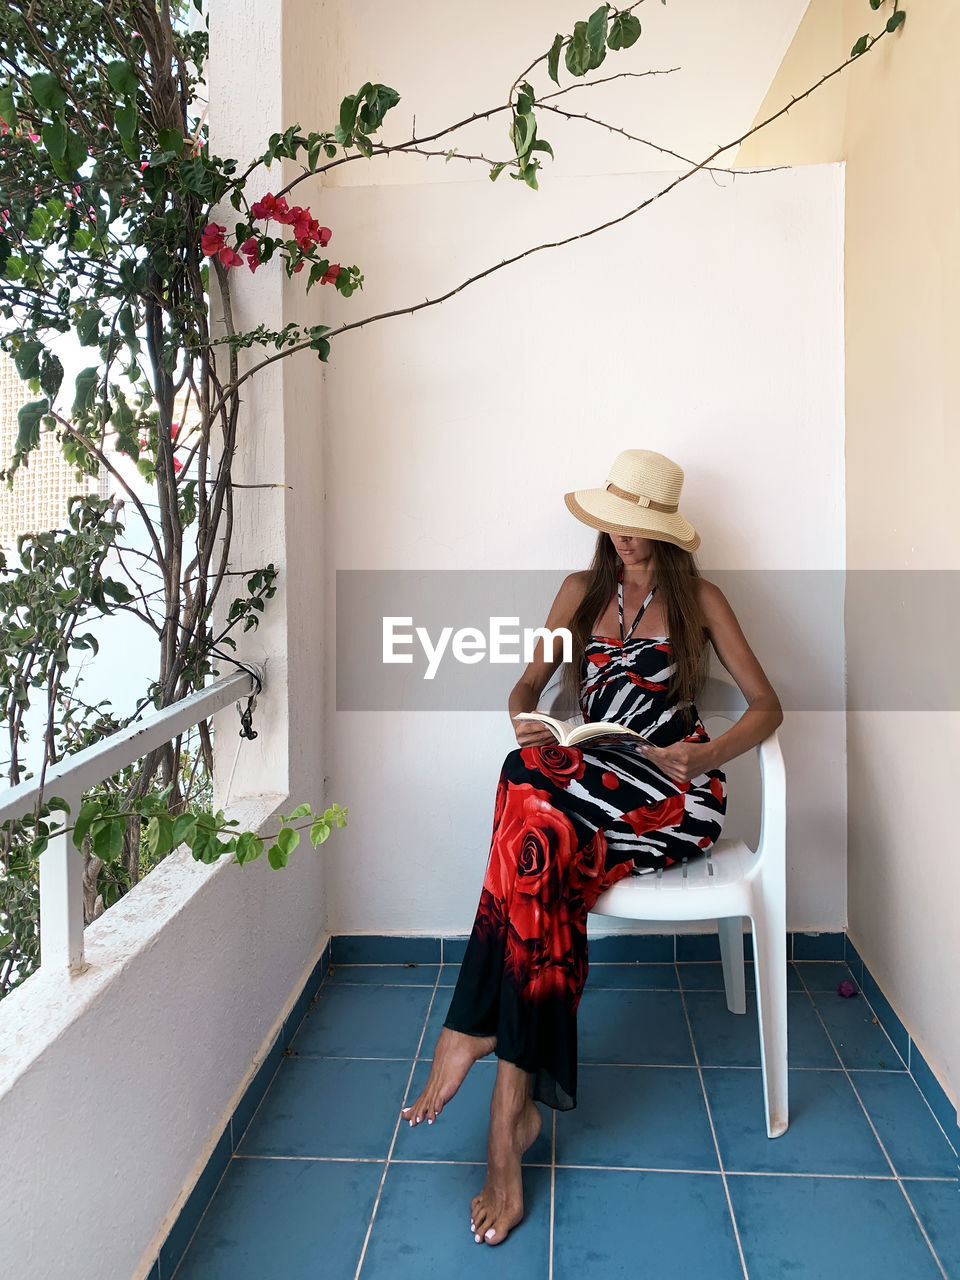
(568, 823)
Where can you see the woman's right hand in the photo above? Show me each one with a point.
(531, 734)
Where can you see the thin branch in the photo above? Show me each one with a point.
(613, 128)
(232, 387)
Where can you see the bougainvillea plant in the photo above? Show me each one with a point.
(117, 224)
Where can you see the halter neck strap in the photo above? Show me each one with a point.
(640, 611)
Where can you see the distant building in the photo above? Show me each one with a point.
(41, 488)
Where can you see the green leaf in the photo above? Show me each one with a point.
(76, 152)
(88, 811)
(126, 120)
(859, 47)
(301, 811)
(524, 132)
(553, 58)
(108, 838)
(58, 804)
(287, 839)
(171, 140)
(597, 31)
(28, 425)
(319, 832)
(88, 327)
(542, 145)
(54, 136)
(275, 857)
(578, 54)
(249, 847)
(377, 101)
(86, 386)
(348, 113)
(47, 93)
(896, 20)
(8, 111)
(51, 375)
(496, 170)
(5, 940)
(27, 359)
(624, 31)
(123, 78)
(875, 4)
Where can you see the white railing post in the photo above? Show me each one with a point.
(61, 898)
(61, 865)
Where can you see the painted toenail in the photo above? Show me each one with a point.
(477, 1238)
(488, 1235)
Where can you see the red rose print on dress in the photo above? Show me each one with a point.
(653, 817)
(561, 765)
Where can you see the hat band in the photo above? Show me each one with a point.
(640, 499)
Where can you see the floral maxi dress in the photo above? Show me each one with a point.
(568, 823)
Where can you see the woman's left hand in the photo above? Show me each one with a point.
(682, 761)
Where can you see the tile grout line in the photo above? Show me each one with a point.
(713, 1132)
(553, 1192)
(396, 1127)
(615, 1168)
(873, 1128)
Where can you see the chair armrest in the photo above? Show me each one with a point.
(773, 805)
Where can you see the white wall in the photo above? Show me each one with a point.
(708, 327)
(115, 1085)
(886, 119)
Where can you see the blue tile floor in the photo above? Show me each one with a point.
(663, 1168)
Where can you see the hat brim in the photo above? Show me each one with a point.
(604, 511)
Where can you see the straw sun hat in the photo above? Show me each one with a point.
(639, 500)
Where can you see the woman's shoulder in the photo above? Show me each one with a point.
(574, 588)
(713, 603)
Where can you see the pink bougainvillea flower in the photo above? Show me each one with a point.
(324, 237)
(229, 257)
(251, 251)
(177, 466)
(331, 273)
(298, 267)
(846, 989)
(270, 206)
(212, 238)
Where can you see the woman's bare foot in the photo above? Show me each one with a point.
(514, 1125)
(453, 1057)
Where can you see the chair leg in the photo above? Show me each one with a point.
(770, 966)
(730, 931)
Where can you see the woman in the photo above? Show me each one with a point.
(570, 822)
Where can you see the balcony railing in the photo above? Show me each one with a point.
(61, 868)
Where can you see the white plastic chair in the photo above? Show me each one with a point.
(731, 882)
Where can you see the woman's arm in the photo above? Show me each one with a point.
(525, 694)
(686, 760)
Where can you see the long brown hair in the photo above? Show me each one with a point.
(675, 574)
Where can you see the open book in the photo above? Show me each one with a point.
(568, 734)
